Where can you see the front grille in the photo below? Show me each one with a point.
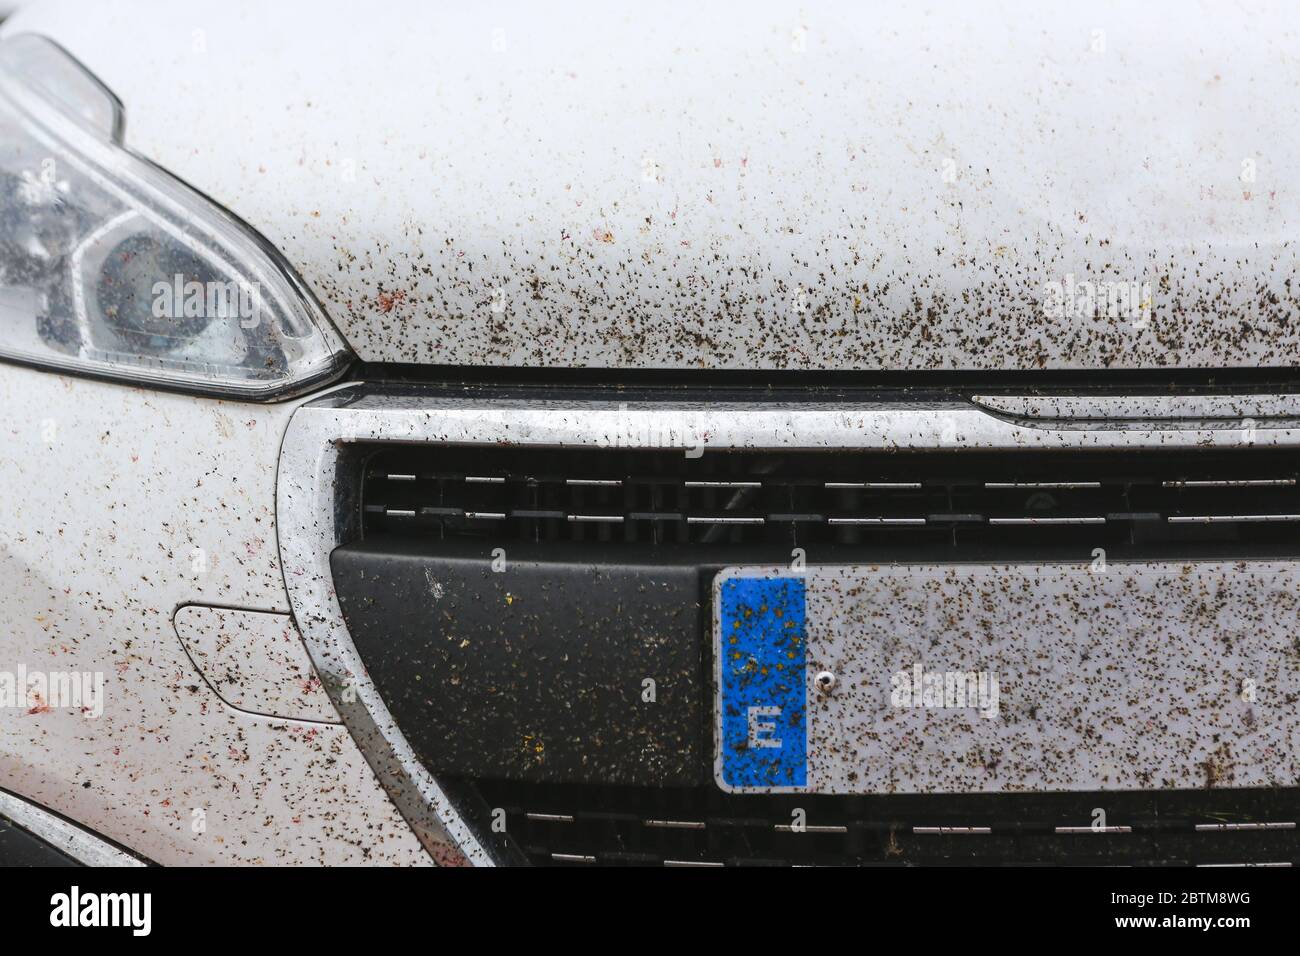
(566, 824)
(925, 506)
(834, 498)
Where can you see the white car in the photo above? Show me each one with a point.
(703, 434)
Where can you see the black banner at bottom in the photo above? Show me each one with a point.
(302, 906)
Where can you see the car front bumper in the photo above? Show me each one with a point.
(136, 516)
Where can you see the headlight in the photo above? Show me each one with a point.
(109, 266)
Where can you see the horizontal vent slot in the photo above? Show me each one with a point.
(841, 498)
(570, 824)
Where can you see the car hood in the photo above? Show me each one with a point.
(740, 186)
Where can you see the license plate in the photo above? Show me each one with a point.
(1011, 677)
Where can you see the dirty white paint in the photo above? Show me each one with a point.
(255, 662)
(122, 505)
(744, 185)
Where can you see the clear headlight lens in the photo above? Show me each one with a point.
(109, 266)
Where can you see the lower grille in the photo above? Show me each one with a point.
(702, 826)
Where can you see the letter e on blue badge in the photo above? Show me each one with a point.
(762, 675)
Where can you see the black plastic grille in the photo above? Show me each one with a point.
(651, 498)
(584, 825)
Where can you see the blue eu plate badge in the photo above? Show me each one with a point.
(760, 656)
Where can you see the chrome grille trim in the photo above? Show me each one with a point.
(72, 840)
(1169, 409)
(808, 828)
(1020, 521)
(1042, 484)
(704, 864)
(1217, 519)
(898, 521)
(1242, 483)
(676, 824)
(1244, 826)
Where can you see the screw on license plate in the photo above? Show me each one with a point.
(825, 682)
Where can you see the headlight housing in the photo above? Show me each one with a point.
(111, 267)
